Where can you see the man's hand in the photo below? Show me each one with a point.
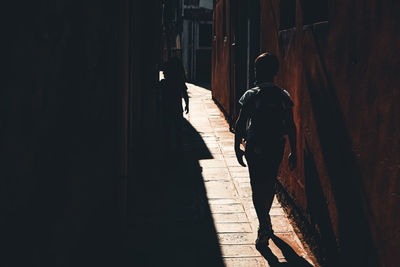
(292, 160)
(239, 156)
(187, 109)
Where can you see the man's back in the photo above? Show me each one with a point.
(172, 92)
(265, 117)
(266, 107)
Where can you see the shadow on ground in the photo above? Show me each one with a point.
(292, 259)
(173, 225)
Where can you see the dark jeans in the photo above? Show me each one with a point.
(173, 127)
(263, 167)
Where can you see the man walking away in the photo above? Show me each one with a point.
(265, 117)
(173, 89)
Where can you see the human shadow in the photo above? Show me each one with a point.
(318, 208)
(291, 257)
(172, 222)
(194, 145)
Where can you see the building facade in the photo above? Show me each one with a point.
(187, 33)
(196, 39)
(171, 20)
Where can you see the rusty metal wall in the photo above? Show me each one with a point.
(342, 72)
(232, 58)
(221, 53)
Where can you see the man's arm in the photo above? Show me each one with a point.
(240, 129)
(292, 133)
(186, 98)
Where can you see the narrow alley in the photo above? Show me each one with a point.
(229, 194)
(208, 180)
(202, 213)
(94, 171)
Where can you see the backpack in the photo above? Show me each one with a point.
(268, 109)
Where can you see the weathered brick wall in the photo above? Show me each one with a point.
(341, 71)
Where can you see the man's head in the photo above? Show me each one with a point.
(266, 67)
(173, 68)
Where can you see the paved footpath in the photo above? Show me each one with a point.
(229, 194)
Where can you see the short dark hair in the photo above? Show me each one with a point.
(266, 66)
(173, 67)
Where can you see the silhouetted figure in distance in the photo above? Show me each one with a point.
(173, 89)
(264, 119)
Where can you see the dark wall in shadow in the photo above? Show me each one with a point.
(63, 102)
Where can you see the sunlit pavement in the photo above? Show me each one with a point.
(228, 190)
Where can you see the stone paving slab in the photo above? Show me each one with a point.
(216, 176)
(226, 208)
(238, 217)
(229, 193)
(240, 180)
(239, 251)
(280, 225)
(220, 201)
(235, 227)
(220, 189)
(245, 262)
(213, 163)
(236, 238)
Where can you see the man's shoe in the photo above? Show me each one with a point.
(264, 234)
